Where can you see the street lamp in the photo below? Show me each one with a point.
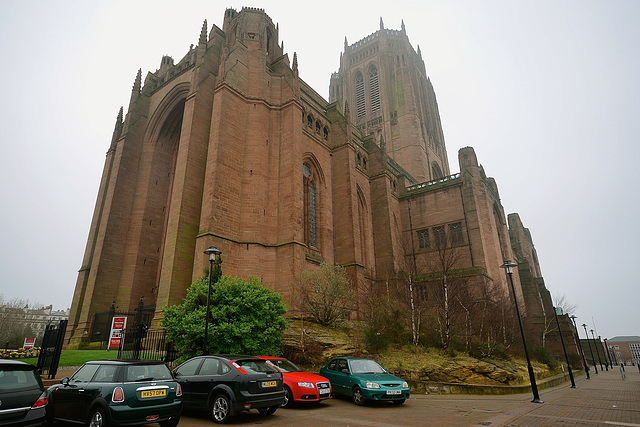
(598, 351)
(213, 253)
(584, 362)
(593, 359)
(566, 358)
(608, 353)
(508, 265)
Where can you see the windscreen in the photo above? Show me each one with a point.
(257, 366)
(147, 373)
(285, 365)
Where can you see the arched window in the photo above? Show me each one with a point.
(360, 108)
(436, 171)
(374, 89)
(309, 206)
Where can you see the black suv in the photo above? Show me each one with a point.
(23, 400)
(226, 385)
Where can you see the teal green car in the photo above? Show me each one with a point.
(364, 380)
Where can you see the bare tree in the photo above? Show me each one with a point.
(562, 302)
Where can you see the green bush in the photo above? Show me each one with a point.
(245, 318)
(542, 355)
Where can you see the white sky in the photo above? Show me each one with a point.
(546, 92)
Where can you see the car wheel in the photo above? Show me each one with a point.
(221, 409)
(357, 396)
(98, 418)
(170, 423)
(268, 411)
(398, 402)
(288, 398)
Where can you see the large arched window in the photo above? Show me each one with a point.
(360, 108)
(374, 89)
(309, 206)
(436, 171)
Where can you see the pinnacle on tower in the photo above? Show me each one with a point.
(381, 24)
(295, 62)
(120, 116)
(203, 33)
(402, 26)
(138, 82)
(346, 44)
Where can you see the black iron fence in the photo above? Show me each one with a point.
(51, 349)
(144, 344)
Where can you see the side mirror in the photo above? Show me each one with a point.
(65, 381)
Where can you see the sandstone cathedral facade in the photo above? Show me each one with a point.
(229, 147)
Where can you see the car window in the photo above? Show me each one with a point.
(285, 365)
(332, 365)
(225, 368)
(254, 366)
(85, 373)
(105, 374)
(147, 373)
(209, 367)
(365, 366)
(188, 368)
(14, 380)
(342, 364)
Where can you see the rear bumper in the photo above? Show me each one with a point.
(264, 400)
(129, 416)
(29, 418)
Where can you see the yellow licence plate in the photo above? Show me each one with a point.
(153, 393)
(269, 384)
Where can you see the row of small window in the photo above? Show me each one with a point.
(440, 237)
(325, 130)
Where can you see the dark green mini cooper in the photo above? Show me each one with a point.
(116, 392)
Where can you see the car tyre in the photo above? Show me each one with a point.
(357, 396)
(398, 402)
(268, 411)
(221, 409)
(98, 418)
(170, 423)
(288, 398)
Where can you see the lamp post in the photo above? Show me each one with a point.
(566, 358)
(598, 351)
(584, 362)
(593, 359)
(508, 265)
(213, 253)
(608, 353)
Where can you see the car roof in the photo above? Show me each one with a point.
(125, 362)
(16, 363)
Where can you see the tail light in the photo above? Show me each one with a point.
(118, 395)
(178, 390)
(42, 401)
(238, 367)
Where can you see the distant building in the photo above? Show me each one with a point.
(624, 349)
(36, 318)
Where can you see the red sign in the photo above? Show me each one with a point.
(29, 343)
(118, 324)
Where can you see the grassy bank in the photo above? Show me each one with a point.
(78, 357)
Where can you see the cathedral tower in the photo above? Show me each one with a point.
(384, 81)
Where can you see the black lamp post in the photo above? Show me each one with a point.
(593, 359)
(608, 353)
(508, 265)
(596, 345)
(566, 358)
(584, 361)
(213, 252)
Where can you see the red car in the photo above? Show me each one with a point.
(300, 386)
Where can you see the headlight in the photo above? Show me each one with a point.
(405, 385)
(307, 385)
(371, 384)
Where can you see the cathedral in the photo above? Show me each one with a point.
(229, 147)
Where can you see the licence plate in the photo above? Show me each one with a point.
(394, 391)
(267, 384)
(324, 391)
(153, 393)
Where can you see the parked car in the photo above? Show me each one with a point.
(364, 379)
(105, 393)
(23, 399)
(300, 386)
(228, 384)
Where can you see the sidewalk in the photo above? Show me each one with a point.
(605, 399)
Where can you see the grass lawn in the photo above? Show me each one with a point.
(78, 357)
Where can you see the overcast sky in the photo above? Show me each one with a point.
(547, 93)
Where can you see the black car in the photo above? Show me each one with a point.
(23, 399)
(226, 385)
(117, 392)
